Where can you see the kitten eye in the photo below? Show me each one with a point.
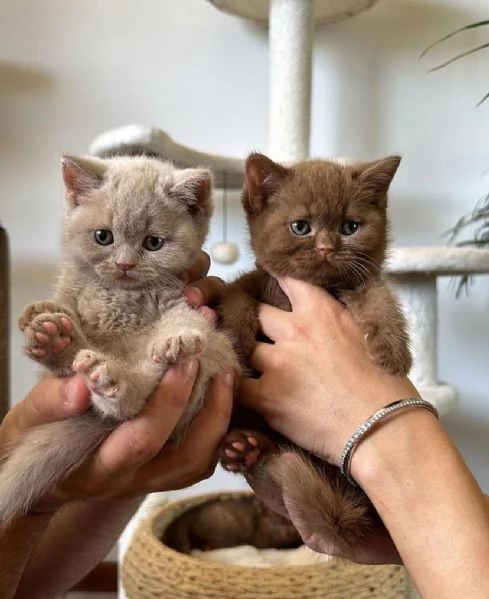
(153, 243)
(349, 227)
(104, 237)
(300, 227)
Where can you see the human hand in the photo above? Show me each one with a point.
(318, 384)
(203, 292)
(134, 459)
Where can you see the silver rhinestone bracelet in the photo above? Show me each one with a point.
(377, 417)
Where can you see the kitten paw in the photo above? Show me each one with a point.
(35, 309)
(92, 366)
(47, 334)
(177, 348)
(242, 449)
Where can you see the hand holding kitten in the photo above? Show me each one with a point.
(319, 383)
(286, 407)
(120, 467)
(133, 460)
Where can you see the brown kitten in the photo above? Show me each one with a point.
(132, 226)
(230, 523)
(326, 224)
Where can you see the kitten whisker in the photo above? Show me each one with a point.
(116, 322)
(364, 257)
(358, 272)
(165, 279)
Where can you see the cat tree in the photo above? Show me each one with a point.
(414, 271)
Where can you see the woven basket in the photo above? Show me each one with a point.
(152, 570)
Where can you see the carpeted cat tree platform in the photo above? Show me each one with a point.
(414, 271)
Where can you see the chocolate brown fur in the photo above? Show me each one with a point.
(332, 200)
(229, 523)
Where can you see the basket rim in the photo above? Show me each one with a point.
(149, 527)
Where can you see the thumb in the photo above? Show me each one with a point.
(302, 294)
(52, 399)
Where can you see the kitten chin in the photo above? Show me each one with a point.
(294, 213)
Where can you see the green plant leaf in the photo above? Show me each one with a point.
(459, 56)
(478, 219)
(447, 37)
(483, 99)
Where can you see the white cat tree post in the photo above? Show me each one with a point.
(290, 59)
(415, 273)
(414, 270)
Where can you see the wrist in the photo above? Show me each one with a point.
(397, 452)
(421, 489)
(378, 419)
(376, 392)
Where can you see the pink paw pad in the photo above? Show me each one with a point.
(240, 451)
(47, 335)
(93, 368)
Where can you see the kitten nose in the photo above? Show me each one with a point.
(325, 249)
(125, 266)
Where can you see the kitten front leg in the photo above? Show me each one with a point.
(379, 316)
(52, 337)
(238, 315)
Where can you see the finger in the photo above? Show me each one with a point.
(208, 314)
(196, 457)
(205, 292)
(302, 295)
(51, 400)
(263, 357)
(200, 267)
(136, 441)
(274, 323)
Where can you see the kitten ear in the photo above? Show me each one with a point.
(81, 174)
(262, 178)
(193, 186)
(376, 177)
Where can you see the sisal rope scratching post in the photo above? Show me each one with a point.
(290, 58)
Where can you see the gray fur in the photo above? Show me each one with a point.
(125, 329)
(48, 453)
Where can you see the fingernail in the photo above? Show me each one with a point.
(208, 314)
(228, 377)
(189, 367)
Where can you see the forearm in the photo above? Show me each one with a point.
(17, 544)
(430, 503)
(77, 539)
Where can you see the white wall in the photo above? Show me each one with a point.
(69, 70)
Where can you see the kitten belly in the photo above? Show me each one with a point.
(105, 311)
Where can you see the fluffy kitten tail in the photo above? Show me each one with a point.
(326, 510)
(46, 455)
